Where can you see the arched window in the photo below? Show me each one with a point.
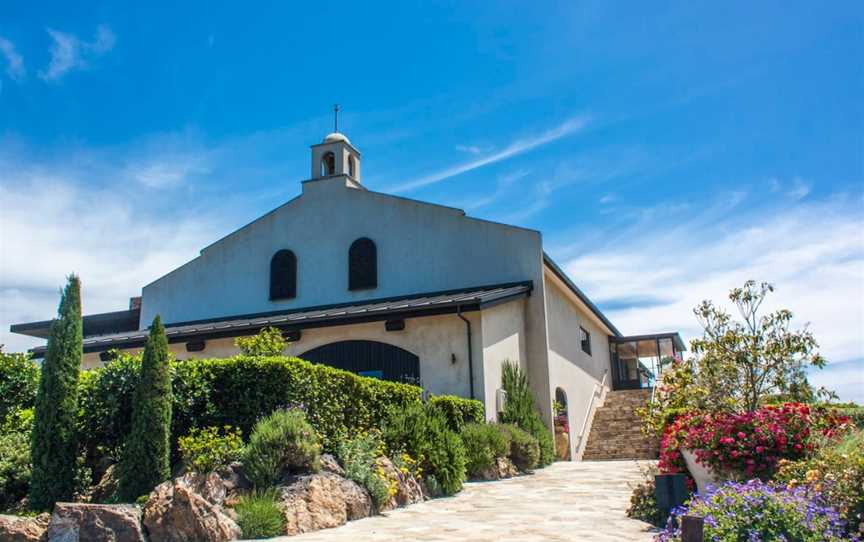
(283, 275)
(328, 164)
(362, 265)
(351, 166)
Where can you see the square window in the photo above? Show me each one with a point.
(586, 340)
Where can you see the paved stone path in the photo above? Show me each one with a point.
(566, 501)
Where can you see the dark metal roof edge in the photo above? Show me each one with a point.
(579, 293)
(93, 318)
(358, 302)
(248, 328)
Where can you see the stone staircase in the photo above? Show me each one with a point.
(616, 429)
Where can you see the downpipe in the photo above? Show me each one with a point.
(470, 351)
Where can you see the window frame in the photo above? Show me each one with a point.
(283, 275)
(362, 265)
(585, 342)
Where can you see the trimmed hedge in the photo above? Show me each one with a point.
(458, 411)
(238, 391)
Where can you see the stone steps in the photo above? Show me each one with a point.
(616, 430)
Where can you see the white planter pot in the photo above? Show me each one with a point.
(701, 474)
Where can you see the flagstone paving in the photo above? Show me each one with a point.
(566, 501)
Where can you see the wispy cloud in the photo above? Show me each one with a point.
(813, 252)
(473, 149)
(68, 52)
(515, 148)
(14, 61)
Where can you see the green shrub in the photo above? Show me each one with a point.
(855, 413)
(643, 504)
(836, 471)
(105, 405)
(237, 391)
(209, 449)
(15, 468)
(146, 458)
(284, 440)
(269, 342)
(520, 410)
(358, 456)
(484, 444)
(54, 444)
(524, 449)
(19, 380)
(423, 432)
(458, 410)
(260, 515)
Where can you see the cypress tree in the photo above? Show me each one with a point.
(146, 458)
(53, 444)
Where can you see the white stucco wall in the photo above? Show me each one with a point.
(570, 368)
(421, 248)
(503, 340)
(436, 340)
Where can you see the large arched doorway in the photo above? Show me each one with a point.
(368, 358)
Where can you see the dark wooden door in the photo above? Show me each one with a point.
(368, 358)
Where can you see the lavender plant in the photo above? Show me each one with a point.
(756, 511)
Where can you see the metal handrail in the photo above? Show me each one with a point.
(590, 406)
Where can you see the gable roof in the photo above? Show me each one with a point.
(558, 272)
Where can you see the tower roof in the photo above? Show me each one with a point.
(335, 136)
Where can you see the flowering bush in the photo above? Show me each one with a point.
(757, 511)
(211, 448)
(746, 444)
(837, 472)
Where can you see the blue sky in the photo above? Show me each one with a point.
(667, 152)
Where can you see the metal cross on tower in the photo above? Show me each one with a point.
(335, 117)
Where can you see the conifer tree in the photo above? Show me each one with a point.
(146, 459)
(53, 444)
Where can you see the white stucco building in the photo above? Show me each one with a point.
(388, 287)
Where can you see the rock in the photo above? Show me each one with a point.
(330, 464)
(176, 512)
(358, 502)
(234, 478)
(106, 487)
(23, 529)
(320, 501)
(408, 489)
(503, 468)
(74, 522)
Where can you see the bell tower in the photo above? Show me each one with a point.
(335, 155)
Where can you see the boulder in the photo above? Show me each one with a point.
(234, 479)
(408, 488)
(23, 529)
(74, 522)
(189, 508)
(503, 468)
(320, 501)
(330, 464)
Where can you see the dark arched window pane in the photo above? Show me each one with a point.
(328, 164)
(362, 265)
(283, 275)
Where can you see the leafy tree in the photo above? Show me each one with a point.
(737, 365)
(269, 342)
(19, 381)
(54, 444)
(759, 356)
(146, 459)
(520, 410)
